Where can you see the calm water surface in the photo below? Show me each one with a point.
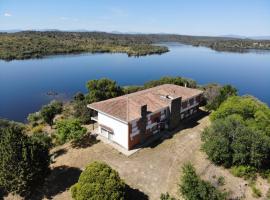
(24, 84)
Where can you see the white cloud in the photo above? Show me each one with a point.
(7, 14)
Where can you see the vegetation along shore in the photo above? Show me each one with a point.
(35, 44)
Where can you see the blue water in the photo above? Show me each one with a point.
(24, 84)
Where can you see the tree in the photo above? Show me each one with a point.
(33, 118)
(49, 111)
(102, 89)
(172, 80)
(215, 95)
(192, 187)
(230, 142)
(69, 129)
(255, 113)
(98, 182)
(81, 111)
(79, 96)
(24, 161)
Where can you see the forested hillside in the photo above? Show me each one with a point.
(34, 44)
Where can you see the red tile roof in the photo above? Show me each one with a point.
(128, 107)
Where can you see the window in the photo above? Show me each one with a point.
(184, 104)
(191, 101)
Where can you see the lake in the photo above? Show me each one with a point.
(24, 84)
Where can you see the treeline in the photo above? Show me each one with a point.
(31, 44)
(34, 44)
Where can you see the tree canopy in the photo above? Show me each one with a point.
(230, 142)
(254, 113)
(192, 187)
(69, 129)
(49, 111)
(215, 95)
(24, 161)
(98, 182)
(102, 89)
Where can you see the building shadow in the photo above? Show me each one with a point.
(190, 122)
(60, 180)
(134, 194)
(86, 141)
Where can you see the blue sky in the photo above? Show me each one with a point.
(192, 17)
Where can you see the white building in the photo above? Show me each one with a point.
(130, 119)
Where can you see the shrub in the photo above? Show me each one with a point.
(24, 161)
(215, 95)
(247, 172)
(166, 197)
(82, 112)
(49, 111)
(268, 194)
(255, 113)
(34, 118)
(37, 129)
(98, 182)
(102, 89)
(221, 181)
(256, 192)
(229, 142)
(192, 187)
(69, 129)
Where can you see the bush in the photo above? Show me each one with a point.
(247, 172)
(215, 95)
(82, 112)
(255, 113)
(221, 181)
(24, 161)
(69, 129)
(34, 118)
(49, 111)
(256, 192)
(229, 142)
(98, 182)
(37, 129)
(102, 89)
(166, 197)
(192, 187)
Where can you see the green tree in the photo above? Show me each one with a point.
(49, 111)
(192, 187)
(98, 182)
(34, 118)
(230, 142)
(215, 95)
(69, 129)
(255, 113)
(24, 161)
(102, 89)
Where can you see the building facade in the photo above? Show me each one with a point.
(131, 119)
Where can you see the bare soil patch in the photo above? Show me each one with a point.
(151, 171)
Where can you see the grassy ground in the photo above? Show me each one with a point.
(151, 171)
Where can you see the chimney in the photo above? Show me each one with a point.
(143, 123)
(143, 111)
(175, 112)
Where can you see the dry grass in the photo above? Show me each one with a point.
(151, 171)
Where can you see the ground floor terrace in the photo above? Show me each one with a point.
(153, 170)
